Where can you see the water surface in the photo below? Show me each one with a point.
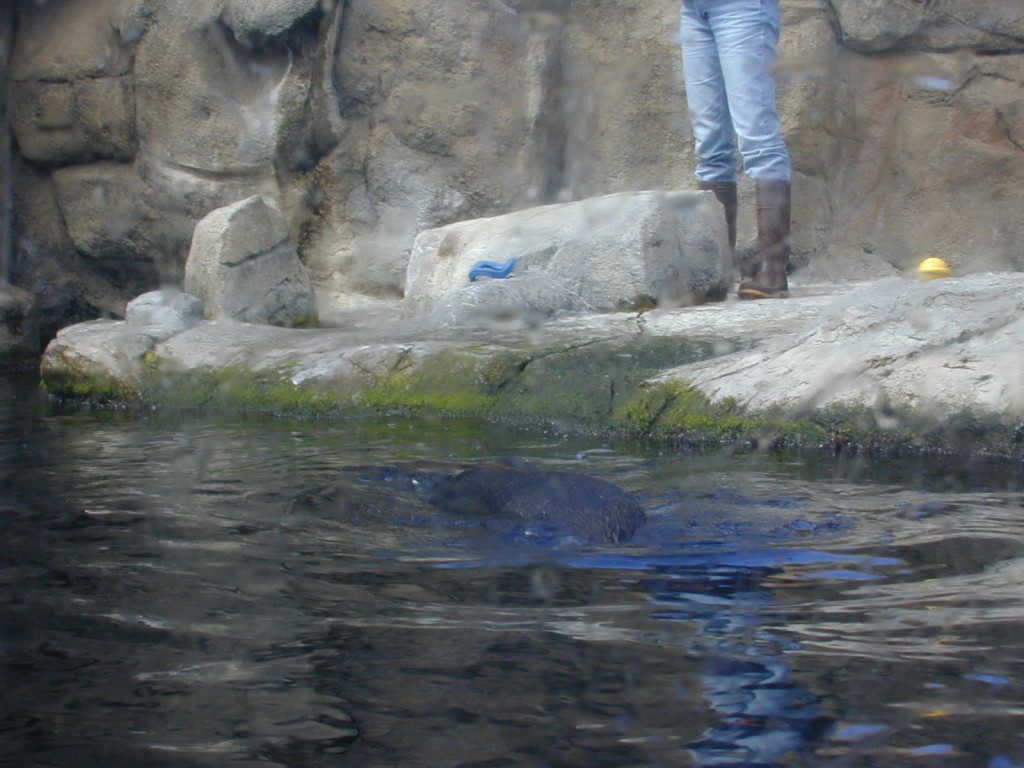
(166, 602)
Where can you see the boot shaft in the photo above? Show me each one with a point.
(725, 193)
(773, 220)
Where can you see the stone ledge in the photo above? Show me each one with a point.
(893, 364)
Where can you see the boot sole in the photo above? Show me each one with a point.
(761, 293)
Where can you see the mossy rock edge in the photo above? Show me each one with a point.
(601, 387)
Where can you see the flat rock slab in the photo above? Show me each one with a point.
(939, 347)
(896, 345)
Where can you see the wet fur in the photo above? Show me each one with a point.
(589, 507)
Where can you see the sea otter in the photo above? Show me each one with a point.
(588, 507)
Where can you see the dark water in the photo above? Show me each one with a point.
(164, 603)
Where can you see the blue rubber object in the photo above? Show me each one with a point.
(492, 269)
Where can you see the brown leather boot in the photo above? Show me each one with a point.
(769, 279)
(725, 193)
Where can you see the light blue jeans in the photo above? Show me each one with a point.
(729, 47)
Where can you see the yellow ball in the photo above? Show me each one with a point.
(933, 268)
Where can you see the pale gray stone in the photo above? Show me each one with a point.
(520, 301)
(936, 347)
(161, 314)
(243, 266)
(895, 347)
(629, 250)
(99, 352)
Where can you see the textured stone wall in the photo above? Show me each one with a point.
(6, 157)
(368, 120)
(913, 138)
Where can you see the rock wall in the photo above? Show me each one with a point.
(6, 157)
(919, 142)
(366, 121)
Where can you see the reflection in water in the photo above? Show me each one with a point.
(165, 603)
(763, 715)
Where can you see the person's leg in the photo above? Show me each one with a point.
(713, 134)
(714, 138)
(747, 33)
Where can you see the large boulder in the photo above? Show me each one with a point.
(67, 122)
(622, 251)
(621, 105)
(936, 347)
(207, 104)
(232, 100)
(244, 267)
